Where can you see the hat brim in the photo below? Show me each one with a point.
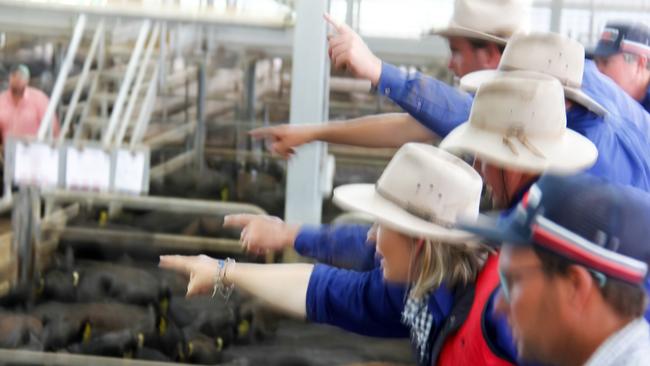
(495, 231)
(472, 81)
(605, 49)
(459, 31)
(364, 198)
(568, 154)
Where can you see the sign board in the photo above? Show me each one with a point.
(36, 164)
(87, 169)
(131, 171)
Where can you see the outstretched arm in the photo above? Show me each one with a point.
(433, 103)
(281, 286)
(383, 130)
(358, 302)
(344, 246)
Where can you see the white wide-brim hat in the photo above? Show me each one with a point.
(548, 53)
(454, 30)
(518, 120)
(489, 20)
(423, 193)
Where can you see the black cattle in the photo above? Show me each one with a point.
(167, 338)
(201, 349)
(122, 343)
(112, 282)
(210, 316)
(72, 322)
(167, 279)
(58, 333)
(59, 285)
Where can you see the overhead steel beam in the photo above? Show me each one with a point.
(275, 38)
(162, 13)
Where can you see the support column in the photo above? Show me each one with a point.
(556, 15)
(309, 104)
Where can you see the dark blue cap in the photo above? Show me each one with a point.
(626, 37)
(599, 225)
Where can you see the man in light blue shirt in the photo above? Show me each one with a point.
(622, 54)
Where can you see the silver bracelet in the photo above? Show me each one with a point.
(219, 280)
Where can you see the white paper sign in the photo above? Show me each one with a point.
(36, 164)
(87, 169)
(130, 171)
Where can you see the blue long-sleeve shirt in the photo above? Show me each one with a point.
(437, 105)
(621, 137)
(645, 103)
(617, 102)
(360, 301)
(342, 246)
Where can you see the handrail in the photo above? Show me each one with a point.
(126, 84)
(93, 88)
(60, 80)
(166, 204)
(146, 110)
(138, 84)
(81, 82)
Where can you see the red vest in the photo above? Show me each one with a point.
(468, 345)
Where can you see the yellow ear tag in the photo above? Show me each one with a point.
(219, 343)
(103, 218)
(190, 349)
(75, 279)
(87, 333)
(162, 326)
(225, 194)
(243, 328)
(181, 354)
(140, 340)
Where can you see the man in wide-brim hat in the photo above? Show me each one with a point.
(476, 34)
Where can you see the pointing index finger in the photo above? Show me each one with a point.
(237, 221)
(340, 28)
(176, 263)
(262, 132)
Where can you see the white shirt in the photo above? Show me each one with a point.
(629, 346)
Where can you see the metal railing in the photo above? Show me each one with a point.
(48, 117)
(93, 53)
(126, 85)
(135, 93)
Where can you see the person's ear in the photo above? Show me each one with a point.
(579, 286)
(493, 55)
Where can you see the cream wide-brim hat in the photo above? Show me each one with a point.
(488, 20)
(472, 81)
(567, 154)
(460, 31)
(365, 198)
(518, 121)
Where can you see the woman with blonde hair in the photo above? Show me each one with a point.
(450, 278)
